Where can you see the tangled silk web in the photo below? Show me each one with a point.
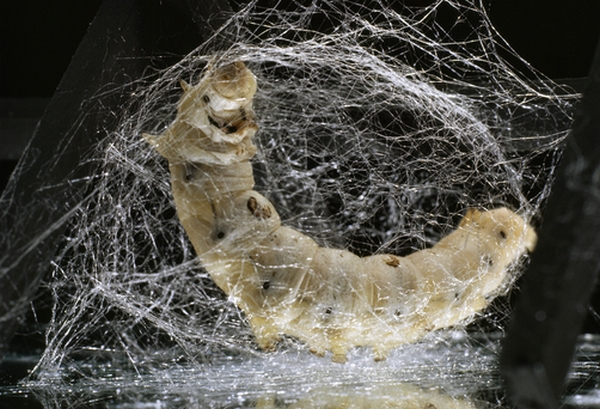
(378, 128)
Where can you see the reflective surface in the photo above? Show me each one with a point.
(460, 372)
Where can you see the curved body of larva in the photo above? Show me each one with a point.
(282, 279)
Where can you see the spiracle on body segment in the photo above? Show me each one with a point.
(287, 284)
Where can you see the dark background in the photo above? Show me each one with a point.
(38, 38)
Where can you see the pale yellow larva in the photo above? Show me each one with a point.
(282, 279)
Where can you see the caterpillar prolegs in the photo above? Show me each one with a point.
(286, 283)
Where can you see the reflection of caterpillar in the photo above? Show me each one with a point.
(286, 283)
(389, 396)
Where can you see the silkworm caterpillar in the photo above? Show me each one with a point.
(286, 283)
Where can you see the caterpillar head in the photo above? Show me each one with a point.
(220, 105)
(234, 81)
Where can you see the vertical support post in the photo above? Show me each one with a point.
(547, 320)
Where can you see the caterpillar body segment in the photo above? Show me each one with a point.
(282, 279)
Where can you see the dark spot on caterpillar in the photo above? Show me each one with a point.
(252, 204)
(502, 234)
(457, 295)
(189, 172)
(220, 235)
(398, 313)
(256, 210)
(266, 285)
(392, 261)
(243, 113)
(213, 122)
(328, 310)
(227, 129)
(206, 99)
(266, 213)
(488, 260)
